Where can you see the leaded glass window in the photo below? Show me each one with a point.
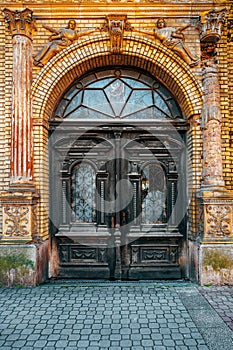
(117, 94)
(153, 194)
(83, 193)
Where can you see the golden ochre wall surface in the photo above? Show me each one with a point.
(201, 80)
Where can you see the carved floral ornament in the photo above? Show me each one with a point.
(20, 22)
(218, 220)
(210, 32)
(16, 221)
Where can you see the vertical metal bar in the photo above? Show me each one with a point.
(118, 176)
(102, 202)
(173, 201)
(64, 206)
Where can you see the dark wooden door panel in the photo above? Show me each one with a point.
(129, 230)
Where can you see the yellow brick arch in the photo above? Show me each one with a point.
(138, 52)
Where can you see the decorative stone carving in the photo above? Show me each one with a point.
(20, 22)
(16, 220)
(210, 32)
(83, 254)
(212, 25)
(154, 254)
(174, 39)
(19, 221)
(115, 25)
(218, 220)
(59, 39)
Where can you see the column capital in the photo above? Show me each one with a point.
(210, 32)
(20, 22)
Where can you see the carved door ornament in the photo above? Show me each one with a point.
(174, 39)
(115, 25)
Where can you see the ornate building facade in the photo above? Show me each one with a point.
(116, 134)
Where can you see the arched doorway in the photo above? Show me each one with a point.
(118, 177)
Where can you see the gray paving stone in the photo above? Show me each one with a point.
(143, 315)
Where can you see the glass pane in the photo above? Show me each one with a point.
(86, 113)
(147, 113)
(83, 193)
(138, 100)
(101, 83)
(74, 103)
(153, 194)
(117, 93)
(60, 109)
(160, 103)
(134, 83)
(97, 100)
(71, 92)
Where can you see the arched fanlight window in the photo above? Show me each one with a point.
(83, 193)
(153, 189)
(117, 94)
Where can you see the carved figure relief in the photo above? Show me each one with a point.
(16, 221)
(59, 39)
(218, 220)
(115, 25)
(174, 39)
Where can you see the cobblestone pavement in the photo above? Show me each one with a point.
(221, 299)
(111, 315)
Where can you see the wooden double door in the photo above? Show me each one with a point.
(118, 202)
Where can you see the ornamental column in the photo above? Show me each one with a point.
(216, 202)
(212, 172)
(19, 202)
(215, 240)
(21, 25)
